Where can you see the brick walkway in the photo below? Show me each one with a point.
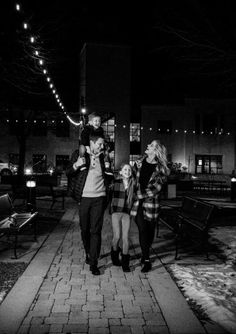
(72, 300)
(67, 298)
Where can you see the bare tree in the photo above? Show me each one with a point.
(200, 37)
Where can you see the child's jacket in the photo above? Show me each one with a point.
(119, 198)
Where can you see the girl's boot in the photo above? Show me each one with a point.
(125, 263)
(115, 257)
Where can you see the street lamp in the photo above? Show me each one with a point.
(31, 195)
(233, 188)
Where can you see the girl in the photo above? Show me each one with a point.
(151, 171)
(122, 199)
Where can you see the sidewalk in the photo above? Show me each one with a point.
(58, 294)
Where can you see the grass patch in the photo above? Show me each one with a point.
(9, 274)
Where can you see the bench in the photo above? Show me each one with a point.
(12, 222)
(192, 217)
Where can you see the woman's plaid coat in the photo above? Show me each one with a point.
(150, 197)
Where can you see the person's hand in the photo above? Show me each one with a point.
(80, 162)
(138, 163)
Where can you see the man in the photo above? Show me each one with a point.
(89, 189)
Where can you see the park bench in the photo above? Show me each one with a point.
(192, 219)
(12, 222)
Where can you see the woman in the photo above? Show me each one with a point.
(151, 171)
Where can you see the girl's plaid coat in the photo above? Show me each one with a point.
(150, 197)
(118, 202)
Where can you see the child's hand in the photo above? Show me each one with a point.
(80, 162)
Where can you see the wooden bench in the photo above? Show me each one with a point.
(12, 222)
(192, 217)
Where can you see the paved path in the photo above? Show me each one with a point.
(58, 294)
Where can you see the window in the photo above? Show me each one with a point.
(164, 127)
(135, 142)
(39, 127)
(133, 158)
(62, 128)
(109, 133)
(109, 130)
(134, 132)
(208, 164)
(62, 162)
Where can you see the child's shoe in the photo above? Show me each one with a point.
(125, 263)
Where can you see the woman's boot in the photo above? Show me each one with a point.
(115, 257)
(147, 266)
(125, 263)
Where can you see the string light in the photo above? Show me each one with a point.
(73, 122)
(41, 62)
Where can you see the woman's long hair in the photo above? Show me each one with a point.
(161, 157)
(131, 184)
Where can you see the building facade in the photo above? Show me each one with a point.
(199, 135)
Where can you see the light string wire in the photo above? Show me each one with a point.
(38, 56)
(41, 62)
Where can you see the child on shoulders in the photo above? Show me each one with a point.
(92, 128)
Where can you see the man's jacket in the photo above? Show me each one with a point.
(77, 178)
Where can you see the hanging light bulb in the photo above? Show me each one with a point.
(36, 53)
(40, 62)
(25, 25)
(32, 39)
(17, 7)
(48, 79)
(45, 71)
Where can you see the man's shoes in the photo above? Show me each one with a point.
(94, 269)
(87, 260)
(147, 266)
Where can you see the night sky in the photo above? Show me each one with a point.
(179, 48)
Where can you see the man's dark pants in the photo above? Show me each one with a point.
(91, 211)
